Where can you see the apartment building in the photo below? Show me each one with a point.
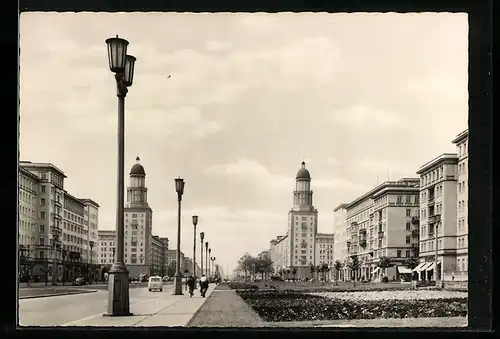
(383, 223)
(282, 249)
(461, 142)
(159, 258)
(106, 247)
(52, 230)
(172, 257)
(325, 244)
(91, 224)
(438, 217)
(340, 251)
(264, 255)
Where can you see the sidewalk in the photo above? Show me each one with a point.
(153, 309)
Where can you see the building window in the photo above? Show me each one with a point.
(42, 202)
(399, 199)
(408, 239)
(42, 228)
(408, 212)
(42, 215)
(408, 199)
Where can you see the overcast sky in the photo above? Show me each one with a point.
(358, 96)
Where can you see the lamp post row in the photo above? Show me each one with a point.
(123, 66)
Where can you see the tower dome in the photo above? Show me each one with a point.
(137, 169)
(303, 173)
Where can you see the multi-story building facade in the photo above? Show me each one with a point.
(383, 223)
(138, 224)
(51, 223)
(158, 262)
(91, 224)
(325, 247)
(106, 247)
(438, 217)
(340, 250)
(172, 258)
(281, 253)
(264, 255)
(461, 142)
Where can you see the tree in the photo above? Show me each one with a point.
(324, 270)
(245, 264)
(312, 269)
(354, 266)
(338, 266)
(411, 263)
(384, 263)
(294, 272)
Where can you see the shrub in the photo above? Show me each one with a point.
(242, 286)
(385, 280)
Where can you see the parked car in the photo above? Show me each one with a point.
(165, 278)
(80, 281)
(155, 283)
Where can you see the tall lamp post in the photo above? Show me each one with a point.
(206, 258)
(437, 271)
(91, 244)
(202, 236)
(179, 188)
(209, 262)
(195, 222)
(123, 66)
(213, 265)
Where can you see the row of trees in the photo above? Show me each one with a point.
(252, 266)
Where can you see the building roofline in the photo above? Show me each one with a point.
(445, 157)
(46, 165)
(461, 136)
(29, 174)
(75, 198)
(376, 189)
(388, 190)
(342, 205)
(325, 234)
(90, 201)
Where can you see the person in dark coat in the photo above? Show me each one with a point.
(203, 285)
(191, 284)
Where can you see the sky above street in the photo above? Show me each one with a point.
(360, 97)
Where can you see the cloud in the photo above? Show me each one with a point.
(247, 170)
(332, 162)
(363, 115)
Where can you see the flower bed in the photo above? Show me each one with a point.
(393, 295)
(242, 286)
(273, 306)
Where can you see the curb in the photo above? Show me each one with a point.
(56, 294)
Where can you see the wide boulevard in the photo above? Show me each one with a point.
(64, 310)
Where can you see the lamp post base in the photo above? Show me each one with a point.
(177, 285)
(118, 291)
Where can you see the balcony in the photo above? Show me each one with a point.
(56, 216)
(414, 245)
(380, 234)
(354, 223)
(362, 243)
(57, 203)
(415, 233)
(430, 234)
(415, 220)
(430, 201)
(437, 217)
(362, 231)
(432, 219)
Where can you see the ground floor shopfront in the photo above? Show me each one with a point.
(54, 271)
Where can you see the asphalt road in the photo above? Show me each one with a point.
(60, 310)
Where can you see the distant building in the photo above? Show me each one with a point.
(264, 255)
(340, 252)
(52, 228)
(299, 248)
(438, 211)
(461, 141)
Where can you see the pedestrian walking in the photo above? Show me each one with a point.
(203, 285)
(191, 284)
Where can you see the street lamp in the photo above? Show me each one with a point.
(123, 66)
(210, 262)
(91, 245)
(206, 258)
(141, 258)
(202, 236)
(195, 222)
(437, 271)
(213, 264)
(64, 253)
(179, 188)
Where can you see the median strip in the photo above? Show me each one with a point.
(56, 294)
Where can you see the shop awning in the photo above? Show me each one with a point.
(375, 270)
(431, 266)
(426, 266)
(404, 270)
(419, 267)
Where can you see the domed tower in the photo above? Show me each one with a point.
(302, 196)
(302, 226)
(137, 193)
